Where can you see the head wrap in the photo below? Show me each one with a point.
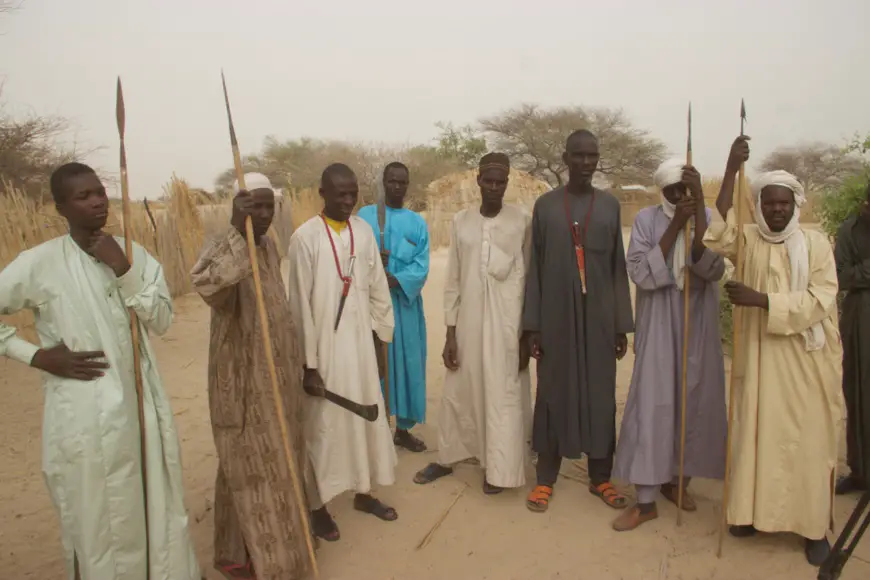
(794, 240)
(254, 181)
(670, 172)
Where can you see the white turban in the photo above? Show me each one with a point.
(670, 172)
(254, 181)
(794, 239)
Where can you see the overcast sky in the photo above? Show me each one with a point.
(388, 70)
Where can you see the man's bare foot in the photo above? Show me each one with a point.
(365, 503)
(403, 438)
(634, 516)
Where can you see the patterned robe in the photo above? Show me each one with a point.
(256, 513)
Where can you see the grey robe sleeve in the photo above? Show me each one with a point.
(622, 304)
(532, 302)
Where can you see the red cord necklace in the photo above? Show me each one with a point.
(346, 280)
(577, 239)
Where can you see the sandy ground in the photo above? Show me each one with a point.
(483, 537)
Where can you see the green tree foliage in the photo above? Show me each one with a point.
(844, 199)
(462, 145)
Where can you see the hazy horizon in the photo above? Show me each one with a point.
(387, 71)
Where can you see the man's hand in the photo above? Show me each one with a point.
(692, 181)
(66, 364)
(685, 209)
(738, 155)
(742, 295)
(243, 207)
(385, 258)
(391, 281)
(105, 248)
(621, 346)
(450, 355)
(525, 353)
(535, 348)
(312, 383)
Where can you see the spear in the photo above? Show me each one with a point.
(120, 115)
(737, 325)
(382, 220)
(267, 343)
(688, 245)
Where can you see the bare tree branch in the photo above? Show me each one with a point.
(535, 139)
(816, 165)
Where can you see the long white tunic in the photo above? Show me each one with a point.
(486, 405)
(90, 442)
(348, 452)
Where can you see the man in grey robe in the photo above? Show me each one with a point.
(577, 313)
(648, 452)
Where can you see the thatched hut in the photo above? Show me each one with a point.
(451, 193)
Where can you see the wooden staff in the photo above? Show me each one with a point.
(120, 116)
(267, 343)
(685, 371)
(737, 325)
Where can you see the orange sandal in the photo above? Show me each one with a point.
(608, 494)
(539, 498)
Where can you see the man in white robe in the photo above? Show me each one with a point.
(486, 404)
(788, 404)
(330, 252)
(79, 288)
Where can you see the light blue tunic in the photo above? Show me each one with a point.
(406, 236)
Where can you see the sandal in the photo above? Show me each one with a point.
(432, 472)
(369, 505)
(671, 493)
(405, 439)
(324, 526)
(539, 498)
(233, 571)
(490, 489)
(608, 494)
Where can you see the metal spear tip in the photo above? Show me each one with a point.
(119, 108)
(742, 109)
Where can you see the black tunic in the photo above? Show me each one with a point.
(576, 398)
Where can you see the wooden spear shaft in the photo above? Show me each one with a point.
(737, 326)
(686, 325)
(267, 345)
(121, 117)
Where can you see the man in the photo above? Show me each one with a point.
(406, 260)
(648, 452)
(788, 407)
(486, 405)
(852, 254)
(258, 522)
(79, 287)
(332, 255)
(578, 312)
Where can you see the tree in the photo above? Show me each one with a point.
(30, 151)
(817, 166)
(299, 163)
(462, 145)
(534, 138)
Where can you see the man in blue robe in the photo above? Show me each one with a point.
(405, 253)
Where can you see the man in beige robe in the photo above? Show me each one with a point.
(486, 404)
(788, 406)
(330, 253)
(258, 522)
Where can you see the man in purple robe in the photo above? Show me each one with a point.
(648, 452)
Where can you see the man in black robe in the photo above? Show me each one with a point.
(577, 314)
(852, 254)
